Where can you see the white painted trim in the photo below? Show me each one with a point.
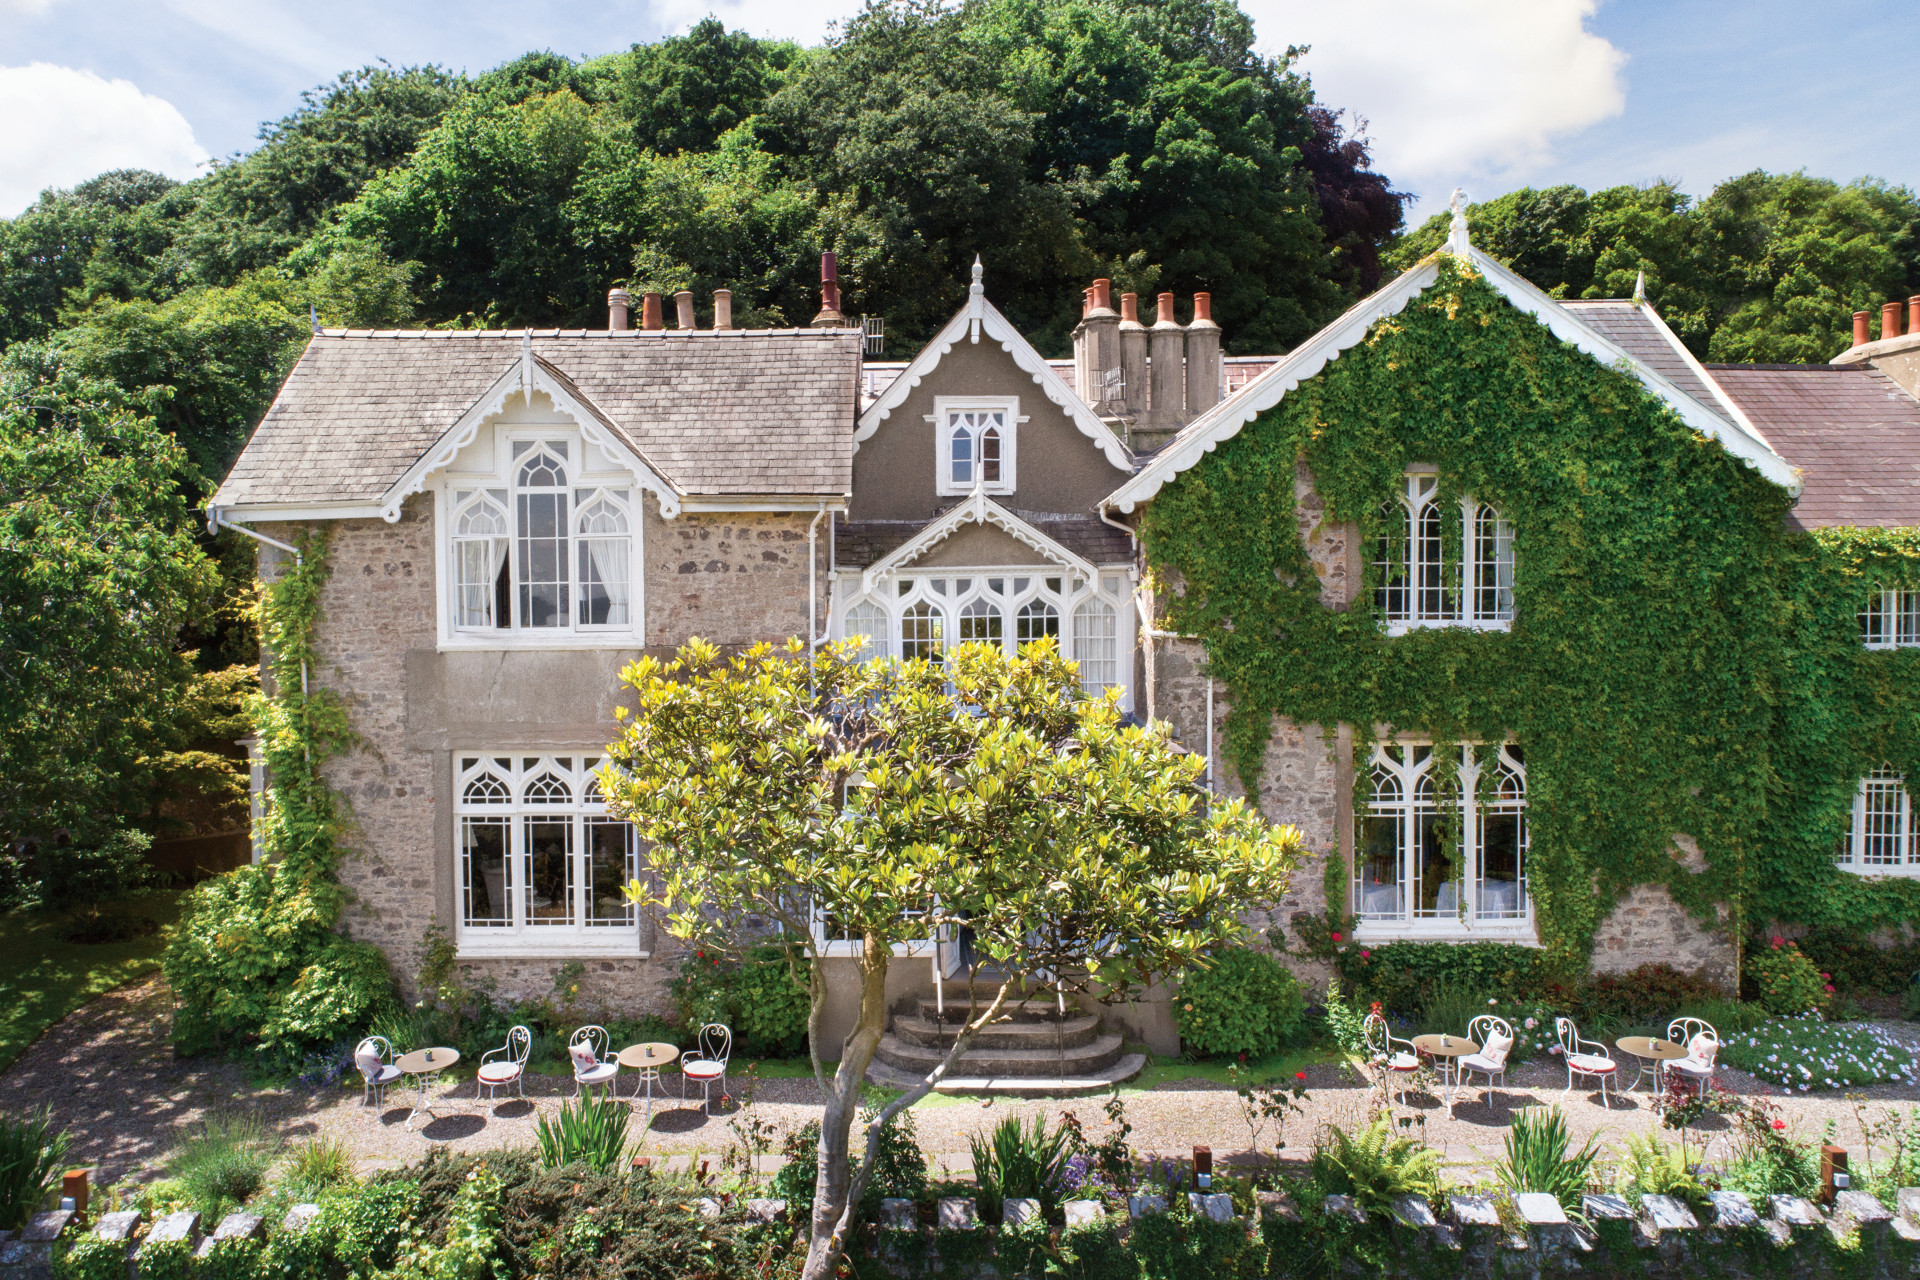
(589, 421)
(714, 506)
(1720, 396)
(978, 509)
(1001, 330)
(944, 407)
(293, 511)
(1224, 420)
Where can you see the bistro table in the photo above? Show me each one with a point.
(646, 1060)
(1649, 1049)
(1445, 1048)
(427, 1064)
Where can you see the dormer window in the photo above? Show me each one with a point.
(543, 550)
(1891, 620)
(975, 440)
(1418, 587)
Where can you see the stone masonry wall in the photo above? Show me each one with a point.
(734, 579)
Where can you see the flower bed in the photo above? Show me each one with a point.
(1807, 1053)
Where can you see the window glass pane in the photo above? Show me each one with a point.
(1431, 601)
(609, 867)
(1379, 866)
(921, 632)
(990, 455)
(1906, 617)
(603, 582)
(1501, 840)
(1391, 595)
(870, 620)
(961, 455)
(1036, 620)
(1882, 838)
(1096, 644)
(1492, 566)
(543, 559)
(483, 872)
(980, 622)
(1435, 893)
(548, 867)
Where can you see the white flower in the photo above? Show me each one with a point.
(1492, 1002)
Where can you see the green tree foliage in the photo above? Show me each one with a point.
(1768, 268)
(687, 92)
(48, 249)
(895, 800)
(98, 572)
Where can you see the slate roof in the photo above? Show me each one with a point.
(859, 543)
(1628, 327)
(1851, 430)
(745, 413)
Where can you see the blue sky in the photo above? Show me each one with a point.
(1489, 94)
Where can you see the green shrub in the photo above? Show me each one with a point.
(1375, 1167)
(1243, 1002)
(1013, 1163)
(1652, 1168)
(319, 1163)
(1728, 1017)
(1646, 994)
(589, 1130)
(32, 1158)
(1805, 1053)
(1857, 965)
(230, 1260)
(1403, 975)
(756, 996)
(1768, 1160)
(1784, 980)
(225, 1163)
(1537, 1159)
(900, 1167)
(91, 1258)
(1346, 1024)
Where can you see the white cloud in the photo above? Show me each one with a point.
(65, 125)
(1457, 91)
(802, 20)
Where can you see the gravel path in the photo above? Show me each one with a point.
(111, 1079)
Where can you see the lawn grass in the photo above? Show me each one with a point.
(1281, 1066)
(44, 978)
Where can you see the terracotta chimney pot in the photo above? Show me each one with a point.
(829, 316)
(1102, 297)
(1203, 306)
(683, 306)
(1889, 320)
(1860, 322)
(1130, 308)
(723, 308)
(1164, 314)
(650, 311)
(1913, 314)
(618, 301)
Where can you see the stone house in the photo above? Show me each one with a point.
(517, 515)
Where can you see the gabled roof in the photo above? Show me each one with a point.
(977, 509)
(968, 323)
(738, 415)
(1852, 431)
(1224, 421)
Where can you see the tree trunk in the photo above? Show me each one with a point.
(833, 1189)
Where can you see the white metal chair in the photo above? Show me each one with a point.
(1381, 1052)
(707, 1063)
(1599, 1065)
(1495, 1039)
(591, 1067)
(506, 1065)
(374, 1057)
(1703, 1047)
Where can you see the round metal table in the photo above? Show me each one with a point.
(646, 1060)
(427, 1064)
(1649, 1050)
(1445, 1048)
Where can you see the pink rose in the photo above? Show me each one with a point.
(1336, 936)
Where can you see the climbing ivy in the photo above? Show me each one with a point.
(255, 960)
(1681, 660)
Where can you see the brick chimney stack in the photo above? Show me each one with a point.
(1203, 358)
(829, 316)
(1889, 320)
(618, 301)
(723, 308)
(1167, 341)
(650, 311)
(1133, 357)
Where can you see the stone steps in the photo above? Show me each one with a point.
(1125, 1068)
(989, 1060)
(1046, 1011)
(1074, 1033)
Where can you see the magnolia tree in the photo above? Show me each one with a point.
(889, 803)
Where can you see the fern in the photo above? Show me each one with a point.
(1376, 1167)
(1652, 1168)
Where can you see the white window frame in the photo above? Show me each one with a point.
(1891, 620)
(456, 492)
(517, 933)
(949, 592)
(1481, 600)
(1400, 785)
(947, 411)
(1880, 838)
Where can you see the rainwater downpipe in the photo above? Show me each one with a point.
(813, 579)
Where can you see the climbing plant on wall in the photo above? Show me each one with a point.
(255, 961)
(1680, 660)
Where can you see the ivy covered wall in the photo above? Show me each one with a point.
(1681, 662)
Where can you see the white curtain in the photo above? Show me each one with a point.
(479, 563)
(609, 557)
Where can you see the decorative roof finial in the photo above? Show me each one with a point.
(976, 300)
(313, 318)
(1457, 243)
(1640, 286)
